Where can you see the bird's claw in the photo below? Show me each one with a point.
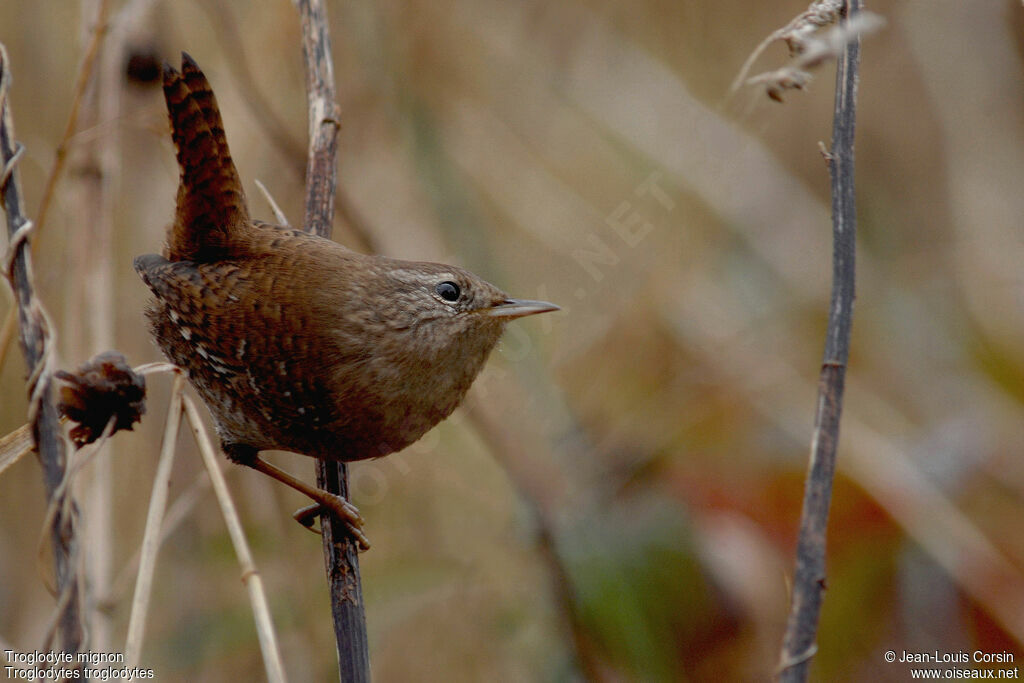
(345, 511)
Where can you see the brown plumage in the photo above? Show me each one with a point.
(293, 341)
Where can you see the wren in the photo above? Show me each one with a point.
(293, 341)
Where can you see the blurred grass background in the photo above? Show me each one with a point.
(623, 486)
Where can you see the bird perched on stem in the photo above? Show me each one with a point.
(294, 342)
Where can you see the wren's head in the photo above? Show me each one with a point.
(442, 310)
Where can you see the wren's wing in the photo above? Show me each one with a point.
(183, 321)
(211, 204)
(221, 323)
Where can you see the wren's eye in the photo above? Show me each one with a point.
(449, 291)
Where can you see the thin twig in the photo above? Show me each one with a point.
(176, 513)
(37, 346)
(278, 213)
(809, 578)
(250, 576)
(154, 520)
(815, 52)
(340, 551)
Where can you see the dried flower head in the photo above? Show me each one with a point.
(809, 46)
(104, 387)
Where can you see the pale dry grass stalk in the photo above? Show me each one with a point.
(154, 518)
(15, 446)
(250, 576)
(278, 213)
(176, 513)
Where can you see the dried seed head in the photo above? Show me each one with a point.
(104, 387)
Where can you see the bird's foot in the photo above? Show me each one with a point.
(346, 512)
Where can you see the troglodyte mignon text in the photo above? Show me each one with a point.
(294, 342)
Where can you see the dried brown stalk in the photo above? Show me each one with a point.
(340, 550)
(799, 645)
(37, 345)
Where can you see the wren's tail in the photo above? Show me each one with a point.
(211, 204)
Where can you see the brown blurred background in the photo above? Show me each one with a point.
(623, 486)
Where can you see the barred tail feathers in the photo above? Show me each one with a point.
(211, 204)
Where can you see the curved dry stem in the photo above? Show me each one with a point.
(154, 520)
(278, 213)
(156, 368)
(250, 576)
(177, 512)
(820, 13)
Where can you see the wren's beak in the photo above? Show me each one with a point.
(517, 308)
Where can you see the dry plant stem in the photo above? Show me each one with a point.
(154, 521)
(278, 213)
(321, 167)
(809, 578)
(15, 446)
(820, 13)
(36, 344)
(340, 552)
(61, 502)
(84, 76)
(176, 513)
(250, 577)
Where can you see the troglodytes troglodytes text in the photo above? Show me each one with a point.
(294, 342)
